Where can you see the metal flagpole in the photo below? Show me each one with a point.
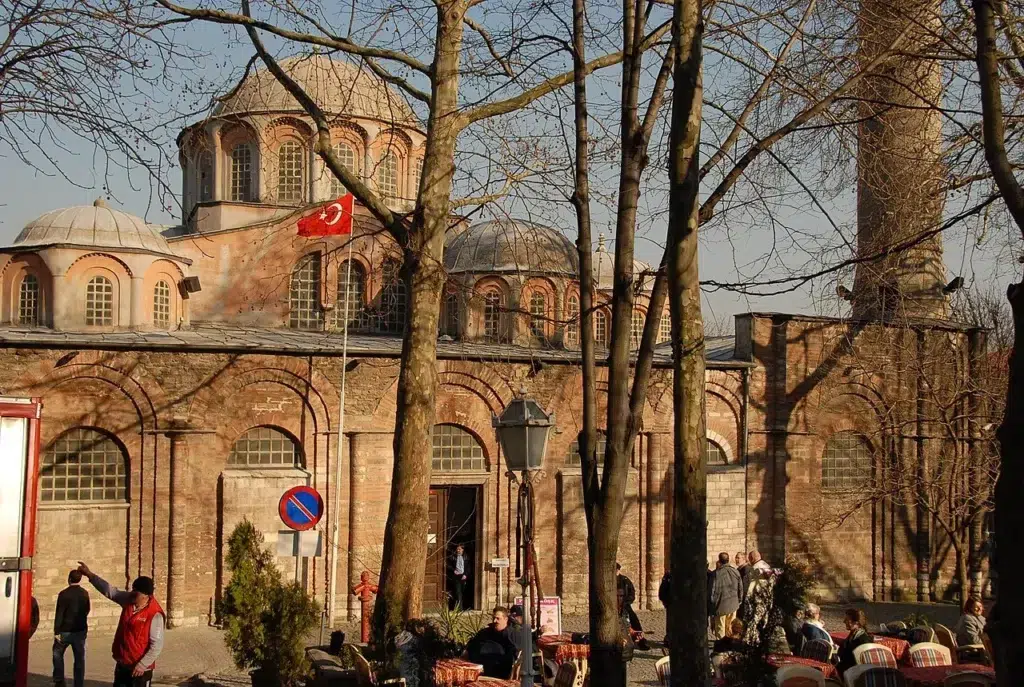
(336, 528)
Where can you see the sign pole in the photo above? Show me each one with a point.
(332, 599)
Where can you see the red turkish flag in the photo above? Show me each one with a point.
(329, 220)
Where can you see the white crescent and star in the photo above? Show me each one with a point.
(337, 217)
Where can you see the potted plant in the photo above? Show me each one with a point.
(265, 621)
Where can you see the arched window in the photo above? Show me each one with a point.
(262, 447)
(351, 293)
(393, 298)
(28, 301)
(241, 173)
(600, 328)
(572, 325)
(387, 176)
(347, 155)
(162, 305)
(846, 462)
(417, 178)
(665, 329)
(451, 314)
(84, 466)
(205, 176)
(99, 302)
(456, 450)
(304, 294)
(291, 172)
(636, 329)
(492, 314)
(573, 456)
(538, 314)
(715, 453)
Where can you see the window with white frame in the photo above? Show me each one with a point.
(99, 302)
(573, 455)
(715, 453)
(492, 314)
(347, 155)
(456, 450)
(636, 329)
(28, 301)
(162, 305)
(387, 176)
(572, 324)
(351, 294)
(846, 462)
(241, 173)
(84, 465)
(291, 172)
(304, 294)
(262, 447)
(600, 328)
(538, 314)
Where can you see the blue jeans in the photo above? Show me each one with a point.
(76, 640)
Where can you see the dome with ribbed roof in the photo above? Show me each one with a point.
(92, 226)
(604, 269)
(507, 246)
(337, 86)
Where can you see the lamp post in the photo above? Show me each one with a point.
(522, 430)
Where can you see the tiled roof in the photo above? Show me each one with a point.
(218, 338)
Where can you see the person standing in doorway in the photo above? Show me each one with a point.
(70, 626)
(140, 630)
(459, 577)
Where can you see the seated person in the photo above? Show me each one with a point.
(971, 625)
(732, 641)
(813, 628)
(856, 622)
(515, 621)
(494, 647)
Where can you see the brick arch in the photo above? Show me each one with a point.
(844, 405)
(478, 432)
(99, 254)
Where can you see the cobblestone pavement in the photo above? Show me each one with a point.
(191, 651)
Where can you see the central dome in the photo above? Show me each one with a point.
(338, 87)
(511, 246)
(92, 226)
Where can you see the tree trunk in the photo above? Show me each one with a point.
(405, 534)
(1008, 562)
(688, 617)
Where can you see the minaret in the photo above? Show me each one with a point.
(900, 173)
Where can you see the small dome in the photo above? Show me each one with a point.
(604, 269)
(337, 86)
(92, 226)
(511, 246)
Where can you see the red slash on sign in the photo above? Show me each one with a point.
(301, 508)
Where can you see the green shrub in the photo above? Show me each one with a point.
(265, 621)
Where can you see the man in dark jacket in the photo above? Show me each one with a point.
(625, 585)
(726, 592)
(665, 597)
(70, 626)
(495, 647)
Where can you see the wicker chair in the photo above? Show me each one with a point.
(920, 634)
(566, 675)
(896, 625)
(945, 637)
(874, 676)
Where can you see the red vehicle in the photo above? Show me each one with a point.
(19, 467)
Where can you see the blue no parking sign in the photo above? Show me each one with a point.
(301, 508)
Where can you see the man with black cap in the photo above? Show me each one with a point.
(140, 631)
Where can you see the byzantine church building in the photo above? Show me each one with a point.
(191, 374)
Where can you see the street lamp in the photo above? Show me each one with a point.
(522, 430)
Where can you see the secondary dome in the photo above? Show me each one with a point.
(338, 87)
(511, 246)
(92, 226)
(604, 269)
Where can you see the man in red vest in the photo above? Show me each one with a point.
(140, 631)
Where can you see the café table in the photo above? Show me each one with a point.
(900, 648)
(492, 682)
(452, 672)
(935, 676)
(559, 648)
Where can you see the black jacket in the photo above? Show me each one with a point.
(856, 638)
(628, 590)
(495, 650)
(72, 610)
(665, 590)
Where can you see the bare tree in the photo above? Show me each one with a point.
(1007, 640)
(87, 71)
(459, 83)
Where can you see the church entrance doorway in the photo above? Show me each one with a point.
(454, 520)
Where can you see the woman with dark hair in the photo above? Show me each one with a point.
(856, 622)
(971, 625)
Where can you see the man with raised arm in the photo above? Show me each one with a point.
(140, 631)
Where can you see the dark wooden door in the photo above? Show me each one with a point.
(434, 578)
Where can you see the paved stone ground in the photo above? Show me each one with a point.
(200, 650)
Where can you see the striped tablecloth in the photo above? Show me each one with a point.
(827, 669)
(559, 648)
(455, 671)
(900, 648)
(493, 682)
(934, 676)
